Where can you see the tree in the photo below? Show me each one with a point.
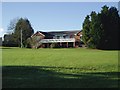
(86, 30)
(102, 30)
(9, 40)
(110, 20)
(12, 25)
(95, 30)
(27, 31)
(92, 30)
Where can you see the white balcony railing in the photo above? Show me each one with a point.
(57, 40)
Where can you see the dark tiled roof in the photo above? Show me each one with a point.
(64, 32)
(49, 35)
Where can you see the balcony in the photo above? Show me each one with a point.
(57, 40)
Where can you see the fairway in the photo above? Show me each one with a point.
(59, 68)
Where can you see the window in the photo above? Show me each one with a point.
(58, 37)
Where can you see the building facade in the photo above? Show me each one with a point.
(58, 39)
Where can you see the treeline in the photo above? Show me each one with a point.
(101, 30)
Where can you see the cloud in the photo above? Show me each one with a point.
(2, 32)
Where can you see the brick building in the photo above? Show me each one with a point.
(58, 39)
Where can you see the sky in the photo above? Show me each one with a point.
(50, 16)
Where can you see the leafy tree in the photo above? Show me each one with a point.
(86, 30)
(102, 30)
(33, 42)
(14, 38)
(9, 40)
(110, 21)
(95, 30)
(27, 31)
(12, 25)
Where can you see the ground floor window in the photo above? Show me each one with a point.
(60, 45)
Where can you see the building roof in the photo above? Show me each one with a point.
(73, 32)
(49, 35)
(38, 34)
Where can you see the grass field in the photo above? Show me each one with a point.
(59, 68)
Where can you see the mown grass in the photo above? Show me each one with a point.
(64, 68)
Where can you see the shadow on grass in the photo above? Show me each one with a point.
(41, 77)
(6, 48)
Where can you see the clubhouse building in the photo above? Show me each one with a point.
(58, 39)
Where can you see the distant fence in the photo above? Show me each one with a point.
(57, 40)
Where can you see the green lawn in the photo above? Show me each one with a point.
(59, 68)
